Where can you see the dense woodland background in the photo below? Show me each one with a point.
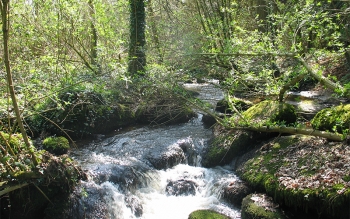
(55, 48)
(61, 56)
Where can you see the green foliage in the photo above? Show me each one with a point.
(56, 145)
(82, 112)
(206, 214)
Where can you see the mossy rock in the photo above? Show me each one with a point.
(333, 119)
(227, 145)
(270, 112)
(207, 214)
(56, 145)
(260, 206)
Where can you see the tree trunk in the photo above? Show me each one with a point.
(137, 56)
(5, 31)
(93, 49)
(155, 32)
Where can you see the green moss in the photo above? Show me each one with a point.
(333, 119)
(206, 214)
(56, 145)
(268, 111)
(252, 210)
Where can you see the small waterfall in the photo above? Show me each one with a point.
(150, 173)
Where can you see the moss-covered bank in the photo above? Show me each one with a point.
(80, 112)
(305, 174)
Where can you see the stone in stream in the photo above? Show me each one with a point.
(236, 191)
(134, 204)
(181, 187)
(161, 159)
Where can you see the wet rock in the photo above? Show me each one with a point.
(208, 120)
(134, 204)
(166, 159)
(128, 177)
(260, 206)
(92, 205)
(225, 146)
(190, 153)
(181, 187)
(236, 191)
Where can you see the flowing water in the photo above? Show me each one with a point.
(151, 173)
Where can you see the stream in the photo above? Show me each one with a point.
(152, 173)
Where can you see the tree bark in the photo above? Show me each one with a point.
(5, 30)
(154, 30)
(137, 56)
(94, 38)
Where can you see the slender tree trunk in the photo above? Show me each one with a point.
(137, 56)
(155, 31)
(5, 31)
(94, 38)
